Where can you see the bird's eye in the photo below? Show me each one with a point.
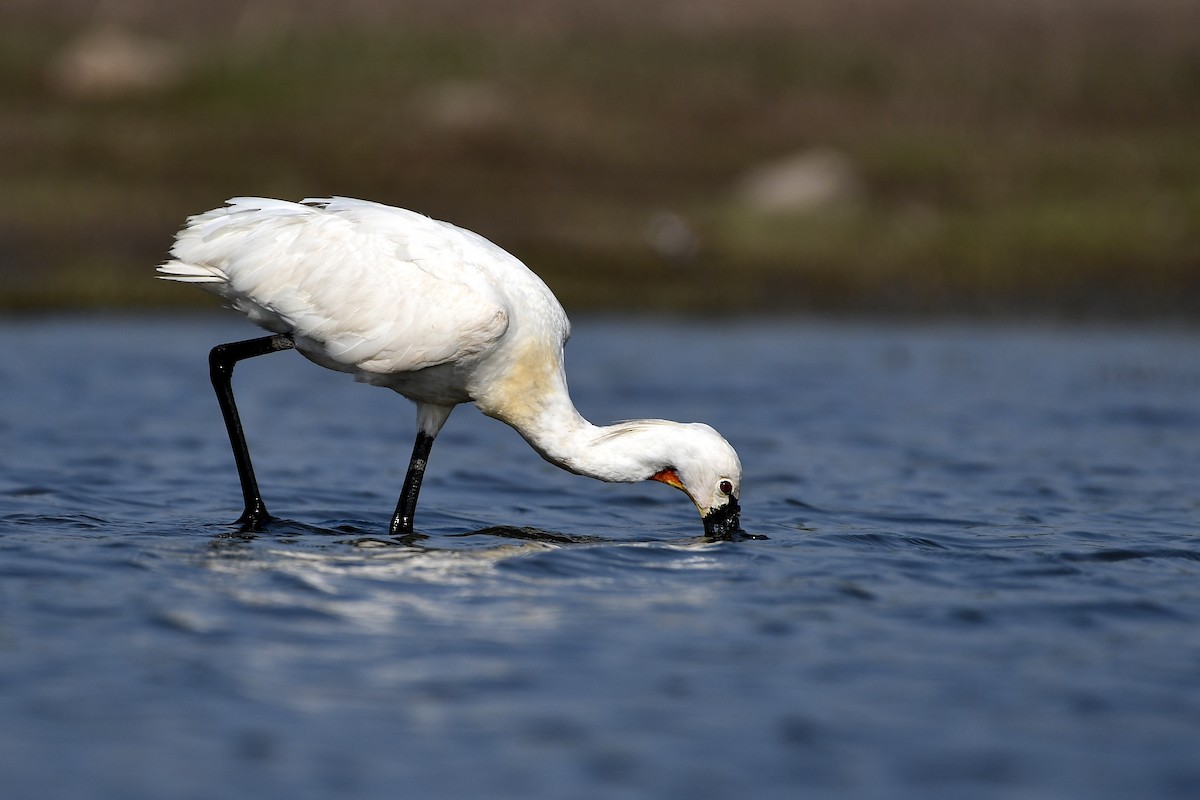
(726, 487)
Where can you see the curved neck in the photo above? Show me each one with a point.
(614, 453)
(560, 434)
(530, 394)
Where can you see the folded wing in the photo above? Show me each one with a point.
(378, 288)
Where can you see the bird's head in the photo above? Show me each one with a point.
(707, 469)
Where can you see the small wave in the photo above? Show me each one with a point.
(891, 540)
(1123, 554)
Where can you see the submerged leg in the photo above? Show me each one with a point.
(221, 361)
(402, 520)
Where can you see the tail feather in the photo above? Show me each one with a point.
(191, 273)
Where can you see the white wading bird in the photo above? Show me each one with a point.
(438, 314)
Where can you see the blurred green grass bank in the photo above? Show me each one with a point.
(915, 156)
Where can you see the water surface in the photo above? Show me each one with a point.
(981, 576)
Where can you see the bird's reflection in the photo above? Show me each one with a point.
(530, 534)
(287, 531)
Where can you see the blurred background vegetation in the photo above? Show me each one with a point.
(881, 156)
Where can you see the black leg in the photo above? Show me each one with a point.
(402, 520)
(221, 360)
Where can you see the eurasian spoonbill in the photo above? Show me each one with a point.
(440, 315)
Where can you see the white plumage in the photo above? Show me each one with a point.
(440, 315)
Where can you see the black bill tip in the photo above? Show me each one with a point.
(724, 523)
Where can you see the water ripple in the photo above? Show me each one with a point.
(979, 582)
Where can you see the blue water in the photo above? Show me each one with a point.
(982, 576)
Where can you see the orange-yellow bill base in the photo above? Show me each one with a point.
(669, 477)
